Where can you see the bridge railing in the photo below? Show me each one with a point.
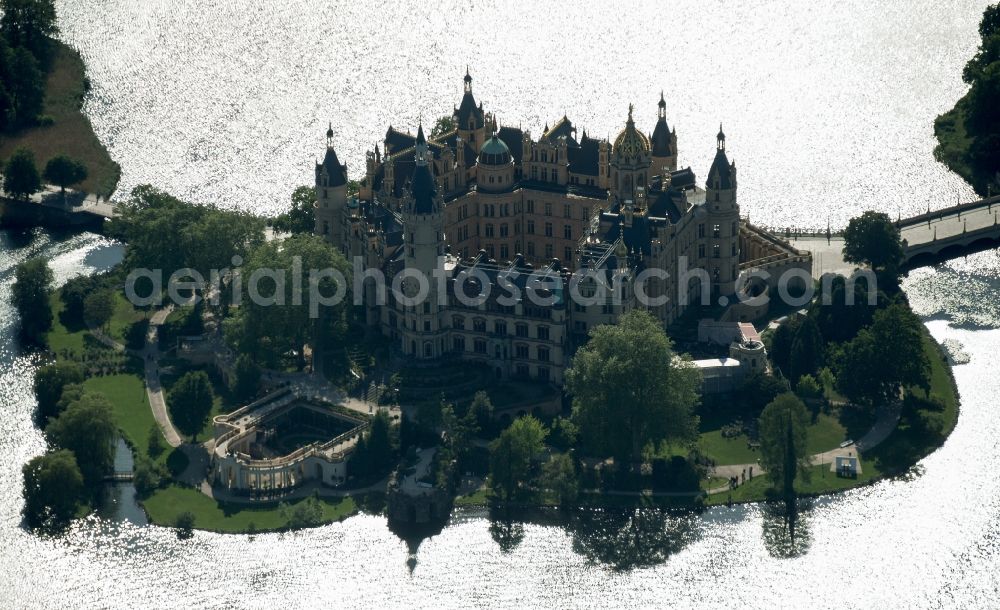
(958, 209)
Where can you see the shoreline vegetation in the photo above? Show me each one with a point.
(969, 134)
(63, 128)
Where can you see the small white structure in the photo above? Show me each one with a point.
(846, 466)
(746, 355)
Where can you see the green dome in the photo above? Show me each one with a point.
(494, 152)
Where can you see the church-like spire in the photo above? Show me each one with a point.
(329, 135)
(467, 79)
(421, 146)
(721, 139)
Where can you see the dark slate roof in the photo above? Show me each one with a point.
(378, 215)
(585, 158)
(562, 128)
(396, 141)
(470, 154)
(512, 138)
(661, 139)
(721, 171)
(422, 189)
(335, 172)
(638, 237)
(683, 179)
(516, 273)
(666, 205)
(468, 108)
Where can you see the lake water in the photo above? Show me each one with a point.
(827, 110)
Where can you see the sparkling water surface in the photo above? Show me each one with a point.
(828, 111)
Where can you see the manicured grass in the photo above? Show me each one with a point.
(723, 450)
(824, 434)
(821, 481)
(127, 394)
(942, 385)
(164, 505)
(480, 497)
(124, 316)
(71, 133)
(59, 337)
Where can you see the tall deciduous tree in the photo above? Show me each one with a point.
(807, 351)
(99, 308)
(246, 377)
(20, 176)
(29, 24)
(64, 171)
(50, 380)
(87, 428)
(30, 295)
(191, 401)
(301, 218)
(559, 477)
(783, 452)
(53, 487)
(631, 390)
(872, 239)
(511, 456)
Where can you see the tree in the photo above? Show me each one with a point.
(191, 401)
(563, 433)
(379, 443)
(759, 389)
(30, 295)
(630, 389)
(146, 476)
(25, 88)
(87, 428)
(807, 351)
(301, 218)
(29, 24)
(154, 444)
(443, 125)
(481, 410)
(20, 176)
(53, 488)
(783, 452)
(99, 308)
(872, 239)
(73, 293)
(296, 317)
(185, 525)
(559, 477)
(875, 365)
(64, 171)
(808, 387)
(50, 380)
(780, 349)
(306, 513)
(246, 378)
(511, 456)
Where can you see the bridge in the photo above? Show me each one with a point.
(950, 232)
(119, 476)
(51, 206)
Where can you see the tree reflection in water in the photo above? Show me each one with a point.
(507, 533)
(630, 538)
(785, 529)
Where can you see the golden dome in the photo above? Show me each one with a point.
(631, 143)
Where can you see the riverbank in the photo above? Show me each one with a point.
(66, 130)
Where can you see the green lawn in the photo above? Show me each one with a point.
(821, 481)
(164, 505)
(70, 133)
(61, 338)
(824, 434)
(127, 394)
(125, 315)
(224, 401)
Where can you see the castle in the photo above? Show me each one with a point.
(490, 202)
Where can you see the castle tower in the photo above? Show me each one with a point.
(423, 239)
(630, 161)
(469, 117)
(663, 142)
(331, 195)
(722, 233)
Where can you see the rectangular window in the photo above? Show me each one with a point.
(568, 255)
(531, 227)
(545, 174)
(586, 214)
(489, 229)
(716, 230)
(701, 250)
(522, 330)
(548, 229)
(521, 350)
(522, 370)
(427, 326)
(458, 322)
(567, 232)
(701, 230)
(715, 251)
(543, 333)
(531, 248)
(543, 373)
(459, 344)
(548, 209)
(479, 326)
(504, 253)
(500, 327)
(503, 230)
(480, 346)
(567, 211)
(531, 206)
(548, 251)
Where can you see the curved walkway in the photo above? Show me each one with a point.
(154, 389)
(887, 421)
